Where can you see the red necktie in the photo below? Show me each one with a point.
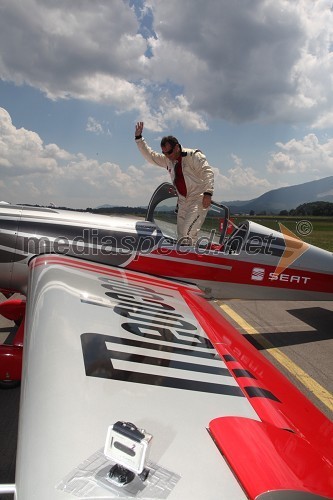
(179, 178)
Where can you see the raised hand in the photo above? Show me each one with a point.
(138, 129)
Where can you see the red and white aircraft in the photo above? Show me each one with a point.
(118, 335)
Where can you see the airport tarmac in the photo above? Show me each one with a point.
(295, 336)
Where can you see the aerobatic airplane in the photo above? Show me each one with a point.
(133, 385)
(252, 262)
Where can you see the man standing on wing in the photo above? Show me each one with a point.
(192, 177)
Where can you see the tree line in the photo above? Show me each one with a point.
(323, 208)
(118, 210)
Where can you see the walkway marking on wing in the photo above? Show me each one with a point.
(320, 392)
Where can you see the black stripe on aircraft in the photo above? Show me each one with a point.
(176, 349)
(98, 361)
(258, 392)
(170, 363)
(251, 391)
(239, 372)
(9, 225)
(228, 357)
(10, 256)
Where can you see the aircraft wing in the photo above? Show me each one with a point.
(105, 344)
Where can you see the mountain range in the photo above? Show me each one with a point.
(286, 198)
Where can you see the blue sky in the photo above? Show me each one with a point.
(249, 82)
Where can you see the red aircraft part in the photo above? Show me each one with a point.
(13, 309)
(10, 363)
(230, 226)
(292, 448)
(6, 293)
(181, 263)
(280, 460)
(11, 355)
(11, 358)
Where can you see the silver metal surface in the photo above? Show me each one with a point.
(65, 413)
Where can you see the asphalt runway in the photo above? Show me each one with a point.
(296, 337)
(301, 331)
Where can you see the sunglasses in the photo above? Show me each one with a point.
(167, 153)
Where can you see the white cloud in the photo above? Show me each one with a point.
(239, 182)
(22, 151)
(180, 112)
(34, 172)
(239, 61)
(93, 126)
(307, 155)
(97, 128)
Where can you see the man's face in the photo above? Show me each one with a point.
(171, 152)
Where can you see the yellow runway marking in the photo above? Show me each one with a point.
(320, 392)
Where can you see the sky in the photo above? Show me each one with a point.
(248, 82)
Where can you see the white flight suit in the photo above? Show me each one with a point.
(199, 179)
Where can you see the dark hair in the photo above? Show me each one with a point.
(169, 139)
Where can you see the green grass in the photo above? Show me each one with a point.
(317, 231)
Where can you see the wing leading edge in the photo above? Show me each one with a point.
(106, 344)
